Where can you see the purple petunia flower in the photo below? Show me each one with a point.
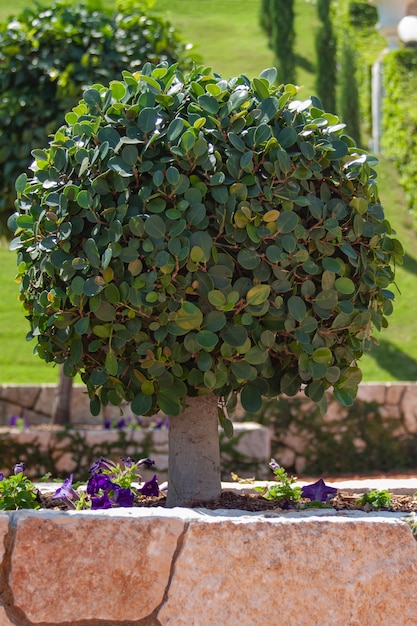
(122, 496)
(97, 482)
(273, 465)
(150, 488)
(1, 476)
(100, 465)
(147, 462)
(127, 460)
(66, 491)
(19, 468)
(101, 502)
(318, 491)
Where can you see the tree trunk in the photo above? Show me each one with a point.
(194, 453)
(61, 411)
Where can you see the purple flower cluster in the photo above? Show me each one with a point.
(110, 484)
(105, 492)
(19, 421)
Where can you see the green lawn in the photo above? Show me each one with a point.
(228, 38)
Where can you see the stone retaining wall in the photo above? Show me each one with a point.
(184, 567)
(35, 402)
(61, 452)
(379, 433)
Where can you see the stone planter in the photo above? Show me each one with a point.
(184, 567)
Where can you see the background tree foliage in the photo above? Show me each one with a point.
(48, 55)
(277, 20)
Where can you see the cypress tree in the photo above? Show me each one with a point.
(326, 57)
(349, 110)
(277, 20)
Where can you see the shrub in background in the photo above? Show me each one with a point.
(361, 440)
(189, 238)
(399, 124)
(48, 55)
(359, 45)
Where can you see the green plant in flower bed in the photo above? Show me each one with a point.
(377, 499)
(284, 489)
(17, 491)
(190, 237)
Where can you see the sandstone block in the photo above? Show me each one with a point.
(292, 571)
(394, 392)
(91, 566)
(254, 441)
(46, 399)
(4, 620)
(4, 527)
(24, 395)
(372, 392)
(409, 409)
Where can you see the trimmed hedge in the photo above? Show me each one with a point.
(359, 45)
(399, 125)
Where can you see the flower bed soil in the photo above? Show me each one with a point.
(255, 502)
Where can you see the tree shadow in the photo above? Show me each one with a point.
(304, 63)
(394, 360)
(410, 264)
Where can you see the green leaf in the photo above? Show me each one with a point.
(225, 423)
(141, 404)
(217, 298)
(346, 397)
(258, 294)
(250, 399)
(92, 98)
(92, 253)
(189, 316)
(207, 339)
(287, 221)
(345, 285)
(322, 355)
(248, 259)
(155, 226)
(20, 183)
(233, 335)
(92, 286)
(287, 137)
(209, 379)
(202, 240)
(242, 370)
(327, 299)
(111, 363)
(118, 89)
(146, 119)
(297, 308)
(175, 129)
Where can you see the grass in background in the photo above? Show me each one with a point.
(228, 38)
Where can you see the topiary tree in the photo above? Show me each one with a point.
(186, 240)
(48, 55)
